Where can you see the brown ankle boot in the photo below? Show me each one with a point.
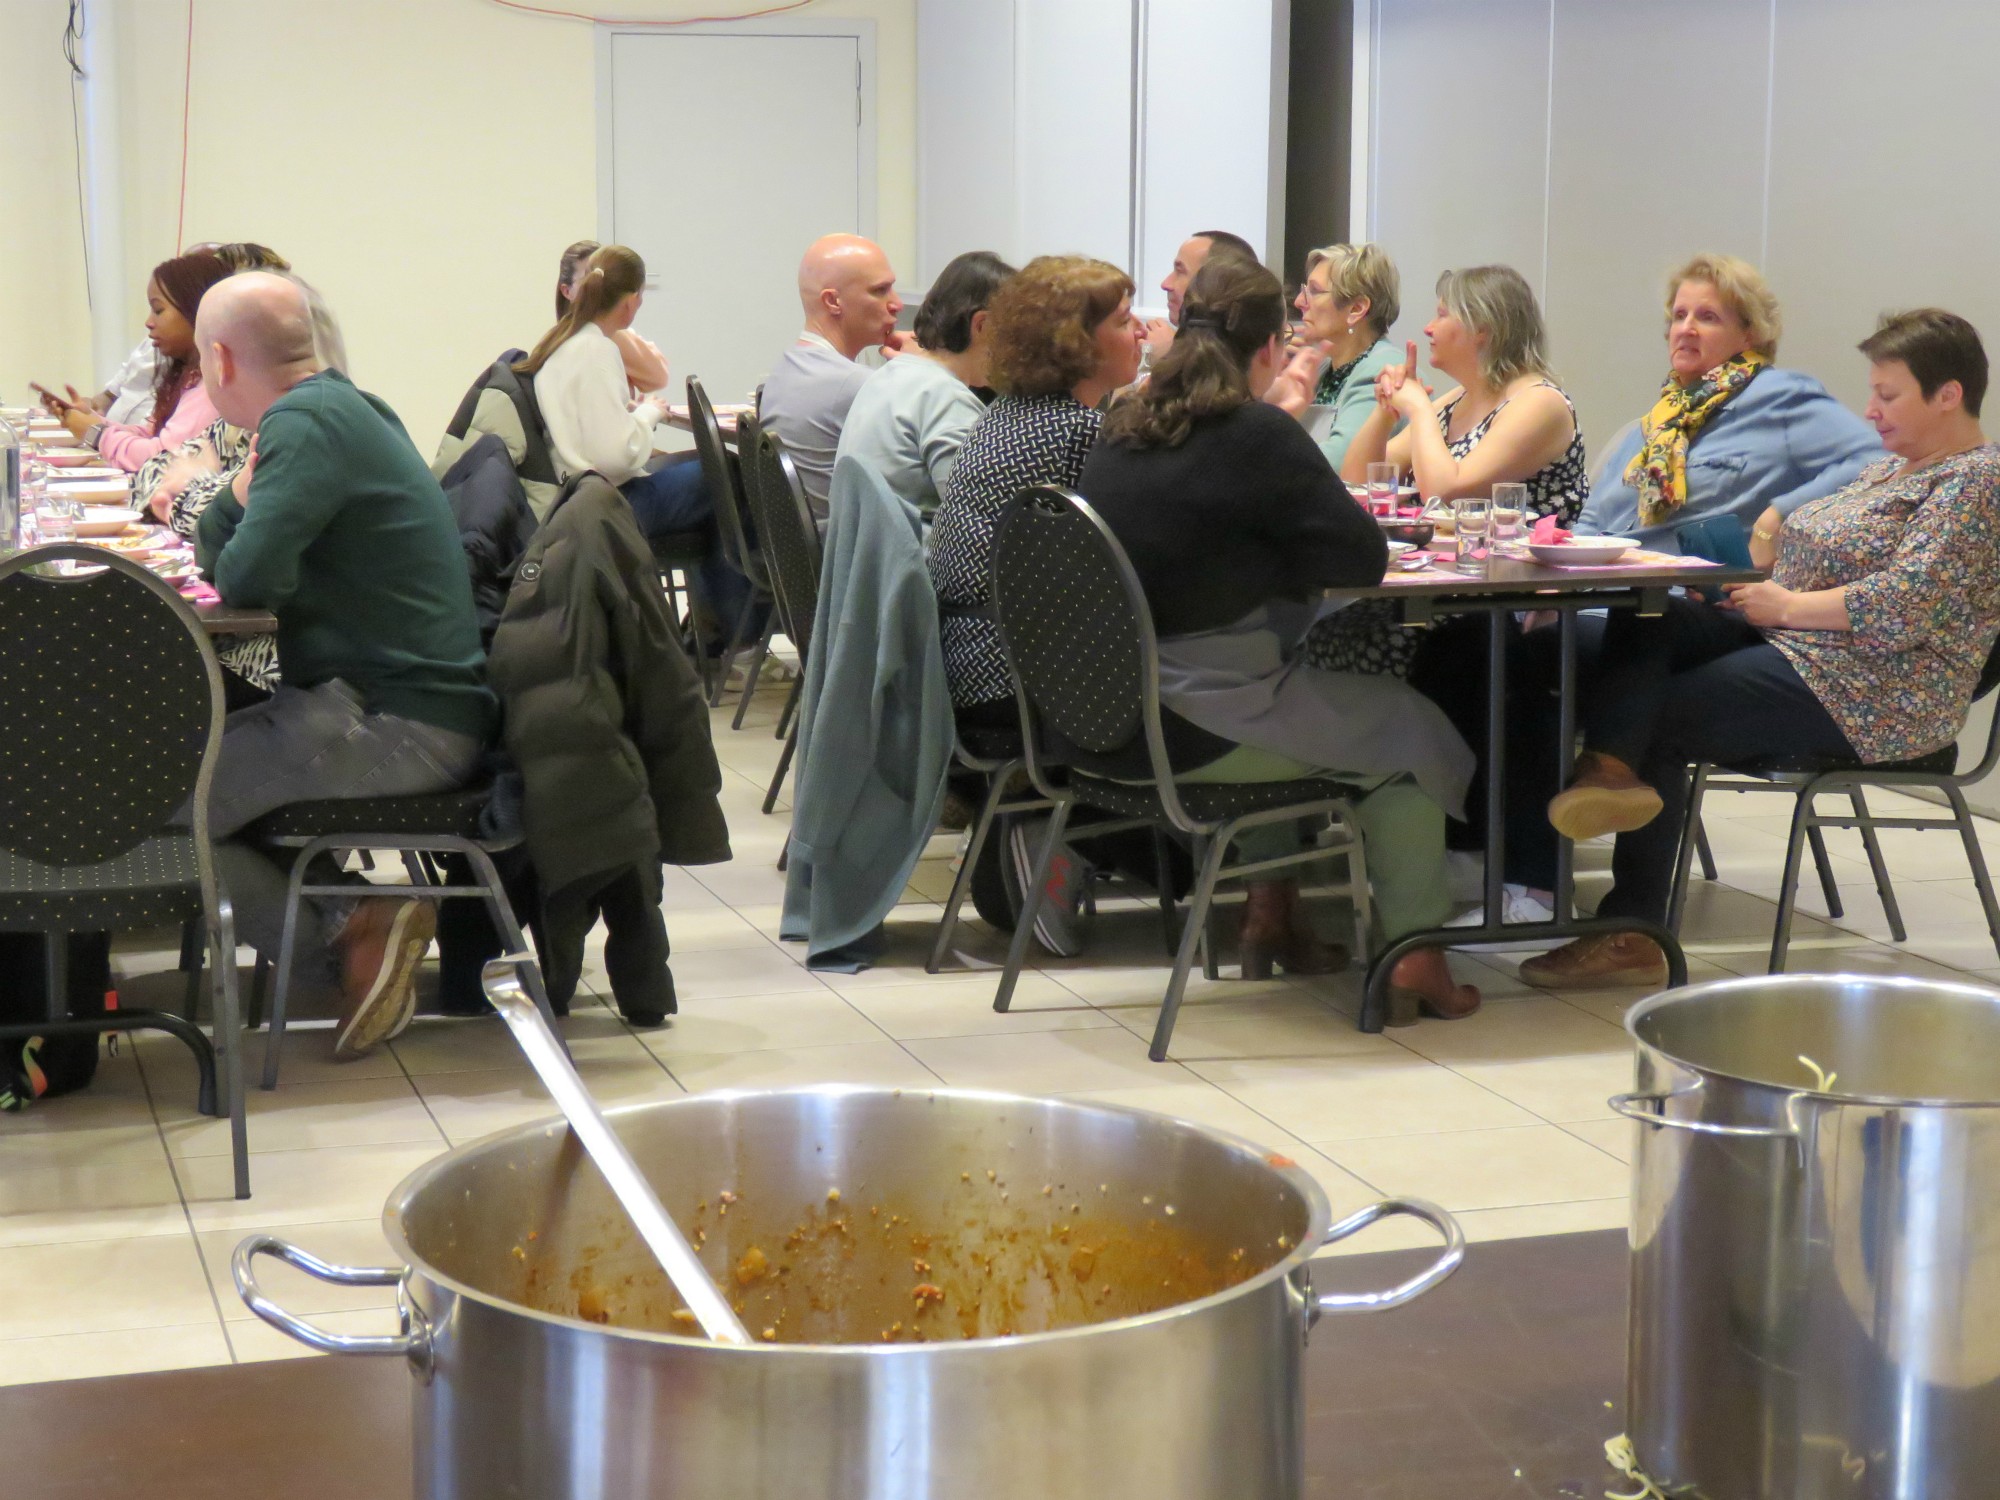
(1274, 930)
(1606, 797)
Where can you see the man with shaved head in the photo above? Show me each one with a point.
(337, 527)
(848, 291)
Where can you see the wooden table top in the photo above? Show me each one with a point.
(1503, 1382)
(1515, 576)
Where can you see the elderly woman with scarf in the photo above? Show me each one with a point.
(1732, 434)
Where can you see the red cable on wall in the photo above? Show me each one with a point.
(577, 15)
(187, 93)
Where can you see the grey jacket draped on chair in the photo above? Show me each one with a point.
(875, 726)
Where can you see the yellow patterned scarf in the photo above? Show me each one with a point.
(1659, 469)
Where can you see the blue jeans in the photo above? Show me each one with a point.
(674, 497)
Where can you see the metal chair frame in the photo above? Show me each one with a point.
(725, 488)
(426, 884)
(220, 1087)
(1805, 787)
(1212, 838)
(778, 500)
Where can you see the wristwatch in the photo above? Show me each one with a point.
(92, 433)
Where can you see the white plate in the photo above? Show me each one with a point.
(1397, 549)
(105, 520)
(1582, 552)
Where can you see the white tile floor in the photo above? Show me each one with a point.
(116, 1222)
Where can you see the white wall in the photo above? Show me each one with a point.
(1847, 147)
(44, 313)
(423, 161)
(1109, 128)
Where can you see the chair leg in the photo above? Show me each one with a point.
(197, 961)
(260, 988)
(1024, 925)
(1358, 892)
(281, 988)
(1694, 838)
(1702, 849)
(785, 855)
(1195, 932)
(1878, 865)
(729, 650)
(757, 660)
(1788, 891)
(784, 765)
(1163, 876)
(1823, 864)
(1975, 857)
(502, 911)
(229, 1043)
(961, 883)
(789, 714)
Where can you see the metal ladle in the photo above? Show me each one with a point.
(502, 980)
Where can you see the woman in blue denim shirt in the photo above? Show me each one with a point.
(1731, 434)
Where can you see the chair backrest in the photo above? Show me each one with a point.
(1989, 679)
(785, 525)
(111, 708)
(1077, 630)
(1598, 476)
(725, 490)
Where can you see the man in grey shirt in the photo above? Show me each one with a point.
(848, 291)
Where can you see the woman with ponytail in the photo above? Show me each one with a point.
(581, 387)
(1236, 526)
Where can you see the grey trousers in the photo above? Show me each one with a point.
(302, 745)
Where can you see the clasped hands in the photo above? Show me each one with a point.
(1398, 389)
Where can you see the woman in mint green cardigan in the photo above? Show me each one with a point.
(1349, 300)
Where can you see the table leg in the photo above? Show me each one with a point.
(1566, 630)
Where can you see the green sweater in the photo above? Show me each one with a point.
(348, 540)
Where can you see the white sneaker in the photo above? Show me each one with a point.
(1517, 905)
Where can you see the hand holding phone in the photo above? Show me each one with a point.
(55, 404)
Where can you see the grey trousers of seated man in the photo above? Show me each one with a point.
(304, 745)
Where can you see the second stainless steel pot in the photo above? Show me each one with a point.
(513, 1252)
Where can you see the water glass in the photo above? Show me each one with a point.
(55, 522)
(1382, 490)
(1470, 519)
(1510, 505)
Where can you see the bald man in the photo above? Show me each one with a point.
(848, 291)
(337, 527)
(1190, 258)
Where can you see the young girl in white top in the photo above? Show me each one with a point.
(583, 390)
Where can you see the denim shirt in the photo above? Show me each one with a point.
(1783, 440)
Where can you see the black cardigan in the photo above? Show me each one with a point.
(1245, 511)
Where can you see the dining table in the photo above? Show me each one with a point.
(1426, 585)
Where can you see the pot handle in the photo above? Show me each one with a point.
(1408, 1291)
(414, 1342)
(1647, 1109)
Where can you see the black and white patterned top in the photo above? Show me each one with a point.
(1559, 487)
(1021, 441)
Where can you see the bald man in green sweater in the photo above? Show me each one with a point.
(337, 527)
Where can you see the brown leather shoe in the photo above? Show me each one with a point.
(1274, 932)
(1601, 962)
(1606, 797)
(380, 946)
(1433, 992)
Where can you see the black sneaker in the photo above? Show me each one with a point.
(1059, 920)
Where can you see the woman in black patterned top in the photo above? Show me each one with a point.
(1064, 338)
(1506, 421)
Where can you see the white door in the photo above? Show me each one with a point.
(729, 154)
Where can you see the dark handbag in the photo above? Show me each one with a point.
(1717, 539)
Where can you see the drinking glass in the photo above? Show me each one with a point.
(1510, 505)
(1470, 519)
(1382, 490)
(55, 523)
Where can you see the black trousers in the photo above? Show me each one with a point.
(1695, 684)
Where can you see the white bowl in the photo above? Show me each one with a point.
(1582, 551)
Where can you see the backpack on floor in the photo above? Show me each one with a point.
(40, 1067)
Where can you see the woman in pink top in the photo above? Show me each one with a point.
(181, 408)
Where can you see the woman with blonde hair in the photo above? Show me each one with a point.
(1507, 420)
(1731, 434)
(581, 387)
(1349, 302)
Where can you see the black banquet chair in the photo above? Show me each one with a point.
(1079, 635)
(792, 549)
(111, 713)
(1807, 781)
(743, 551)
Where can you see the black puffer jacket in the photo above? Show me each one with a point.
(494, 525)
(604, 712)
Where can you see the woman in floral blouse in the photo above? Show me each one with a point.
(1865, 643)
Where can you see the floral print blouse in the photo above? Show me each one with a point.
(1919, 556)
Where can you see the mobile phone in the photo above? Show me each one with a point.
(60, 403)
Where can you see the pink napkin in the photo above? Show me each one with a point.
(198, 592)
(1547, 533)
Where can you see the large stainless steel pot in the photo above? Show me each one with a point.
(1816, 1268)
(1025, 1210)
